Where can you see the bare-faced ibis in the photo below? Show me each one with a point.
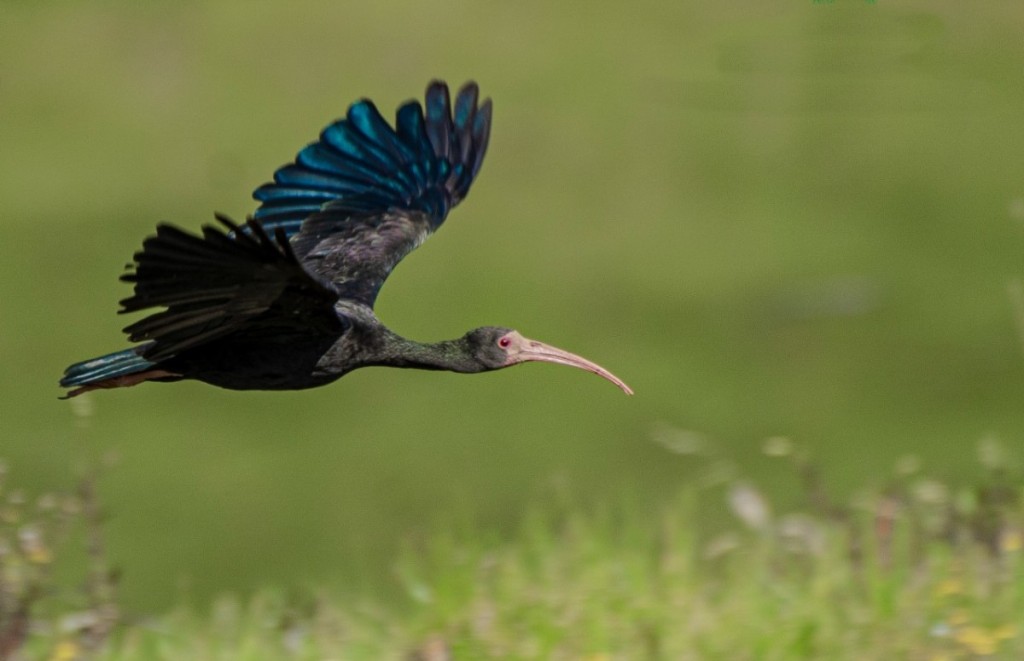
(285, 300)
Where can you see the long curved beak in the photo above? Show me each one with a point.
(524, 349)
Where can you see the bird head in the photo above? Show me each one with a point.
(495, 347)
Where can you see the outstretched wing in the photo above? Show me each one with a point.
(366, 194)
(215, 284)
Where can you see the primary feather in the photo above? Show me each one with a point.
(361, 165)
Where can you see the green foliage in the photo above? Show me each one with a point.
(918, 568)
(36, 540)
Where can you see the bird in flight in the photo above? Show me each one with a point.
(285, 300)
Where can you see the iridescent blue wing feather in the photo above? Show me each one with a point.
(361, 165)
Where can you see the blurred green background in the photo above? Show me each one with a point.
(789, 218)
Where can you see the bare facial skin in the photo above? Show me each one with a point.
(522, 349)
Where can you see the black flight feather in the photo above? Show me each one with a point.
(214, 285)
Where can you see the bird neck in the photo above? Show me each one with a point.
(451, 355)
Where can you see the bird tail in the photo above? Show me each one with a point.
(121, 368)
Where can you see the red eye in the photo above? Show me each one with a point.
(504, 342)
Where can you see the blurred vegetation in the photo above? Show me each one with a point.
(917, 568)
(44, 545)
(791, 219)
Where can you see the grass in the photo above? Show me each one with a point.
(911, 568)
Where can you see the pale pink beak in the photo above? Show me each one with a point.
(521, 349)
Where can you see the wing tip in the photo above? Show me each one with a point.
(434, 149)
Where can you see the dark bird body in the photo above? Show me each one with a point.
(285, 301)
